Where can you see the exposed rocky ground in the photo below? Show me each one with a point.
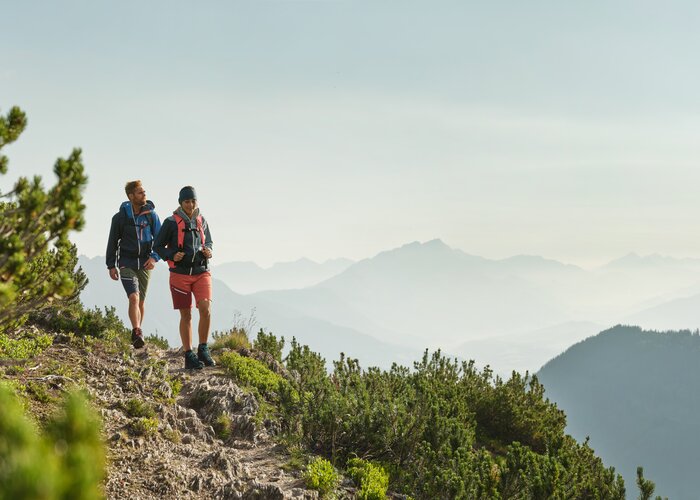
(159, 423)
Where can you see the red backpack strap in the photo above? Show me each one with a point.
(180, 222)
(200, 228)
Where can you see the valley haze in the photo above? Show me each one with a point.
(511, 314)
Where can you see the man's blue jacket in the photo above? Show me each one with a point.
(130, 242)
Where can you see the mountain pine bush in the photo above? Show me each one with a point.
(65, 462)
(253, 374)
(36, 266)
(235, 338)
(371, 479)
(442, 430)
(268, 343)
(320, 475)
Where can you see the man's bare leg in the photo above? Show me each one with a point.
(134, 310)
(186, 328)
(204, 307)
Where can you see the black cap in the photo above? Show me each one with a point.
(187, 193)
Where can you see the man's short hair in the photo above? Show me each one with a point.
(131, 186)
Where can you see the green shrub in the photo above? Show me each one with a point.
(65, 462)
(252, 373)
(74, 318)
(429, 428)
(23, 347)
(29, 467)
(38, 392)
(138, 408)
(268, 343)
(320, 475)
(516, 410)
(222, 426)
(76, 431)
(311, 386)
(297, 456)
(235, 338)
(95, 323)
(175, 386)
(371, 479)
(37, 261)
(145, 426)
(199, 399)
(172, 435)
(156, 340)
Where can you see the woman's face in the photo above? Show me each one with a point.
(188, 206)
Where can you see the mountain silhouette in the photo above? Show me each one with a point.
(429, 295)
(248, 277)
(635, 393)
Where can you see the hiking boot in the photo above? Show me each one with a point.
(191, 361)
(204, 356)
(137, 338)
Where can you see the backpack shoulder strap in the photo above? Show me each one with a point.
(180, 223)
(200, 228)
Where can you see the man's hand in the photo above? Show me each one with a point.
(178, 256)
(150, 264)
(206, 252)
(113, 273)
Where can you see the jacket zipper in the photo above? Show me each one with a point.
(194, 254)
(138, 241)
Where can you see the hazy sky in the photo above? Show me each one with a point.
(343, 128)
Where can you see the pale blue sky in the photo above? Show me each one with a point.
(343, 128)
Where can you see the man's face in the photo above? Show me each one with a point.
(138, 197)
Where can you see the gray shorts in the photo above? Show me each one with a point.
(135, 280)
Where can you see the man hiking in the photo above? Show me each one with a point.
(130, 251)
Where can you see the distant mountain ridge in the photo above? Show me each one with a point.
(430, 295)
(635, 393)
(445, 288)
(632, 260)
(248, 277)
(477, 298)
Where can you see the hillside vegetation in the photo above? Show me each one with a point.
(440, 430)
(635, 393)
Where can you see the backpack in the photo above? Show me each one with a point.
(127, 221)
(183, 228)
(149, 218)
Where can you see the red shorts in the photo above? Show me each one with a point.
(182, 286)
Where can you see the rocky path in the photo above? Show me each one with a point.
(163, 443)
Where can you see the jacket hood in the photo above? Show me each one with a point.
(179, 211)
(126, 206)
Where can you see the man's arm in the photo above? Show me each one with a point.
(207, 235)
(155, 229)
(209, 244)
(113, 243)
(160, 246)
